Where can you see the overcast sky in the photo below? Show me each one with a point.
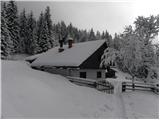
(113, 16)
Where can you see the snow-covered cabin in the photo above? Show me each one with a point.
(77, 60)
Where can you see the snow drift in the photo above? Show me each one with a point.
(28, 93)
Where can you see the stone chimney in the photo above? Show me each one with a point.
(70, 42)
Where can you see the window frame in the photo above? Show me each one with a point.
(83, 74)
(99, 74)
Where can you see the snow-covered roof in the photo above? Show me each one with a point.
(70, 56)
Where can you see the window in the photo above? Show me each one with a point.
(83, 75)
(99, 74)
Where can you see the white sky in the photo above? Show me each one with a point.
(113, 16)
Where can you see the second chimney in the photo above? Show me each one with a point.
(70, 42)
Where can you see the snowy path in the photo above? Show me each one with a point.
(120, 111)
(133, 104)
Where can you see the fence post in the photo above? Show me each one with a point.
(133, 86)
(123, 87)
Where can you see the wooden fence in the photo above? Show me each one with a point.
(99, 85)
(140, 86)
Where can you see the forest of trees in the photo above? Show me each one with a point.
(22, 33)
(134, 51)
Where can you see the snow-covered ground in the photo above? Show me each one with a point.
(28, 93)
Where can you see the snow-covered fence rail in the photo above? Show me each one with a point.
(99, 85)
(140, 86)
(82, 81)
(105, 87)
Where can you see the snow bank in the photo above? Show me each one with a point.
(28, 93)
(141, 104)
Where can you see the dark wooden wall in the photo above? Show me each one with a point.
(94, 60)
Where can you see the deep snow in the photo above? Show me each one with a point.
(28, 93)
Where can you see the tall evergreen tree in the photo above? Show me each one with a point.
(23, 32)
(116, 44)
(42, 35)
(98, 35)
(6, 43)
(47, 18)
(70, 30)
(45, 43)
(39, 32)
(31, 46)
(13, 25)
(92, 35)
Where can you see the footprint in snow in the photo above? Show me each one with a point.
(131, 104)
(107, 107)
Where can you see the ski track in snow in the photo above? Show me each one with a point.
(120, 110)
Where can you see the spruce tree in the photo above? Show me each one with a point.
(23, 32)
(31, 46)
(42, 35)
(92, 35)
(47, 18)
(13, 25)
(98, 35)
(45, 43)
(39, 32)
(6, 43)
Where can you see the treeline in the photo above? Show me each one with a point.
(62, 30)
(134, 51)
(21, 33)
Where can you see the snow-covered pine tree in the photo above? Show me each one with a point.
(116, 44)
(105, 35)
(32, 46)
(92, 35)
(98, 35)
(47, 17)
(13, 25)
(6, 43)
(23, 32)
(45, 43)
(83, 36)
(39, 32)
(42, 35)
(108, 38)
(63, 31)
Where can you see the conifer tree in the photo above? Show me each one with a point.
(98, 35)
(42, 35)
(32, 45)
(6, 43)
(47, 18)
(23, 32)
(92, 35)
(13, 25)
